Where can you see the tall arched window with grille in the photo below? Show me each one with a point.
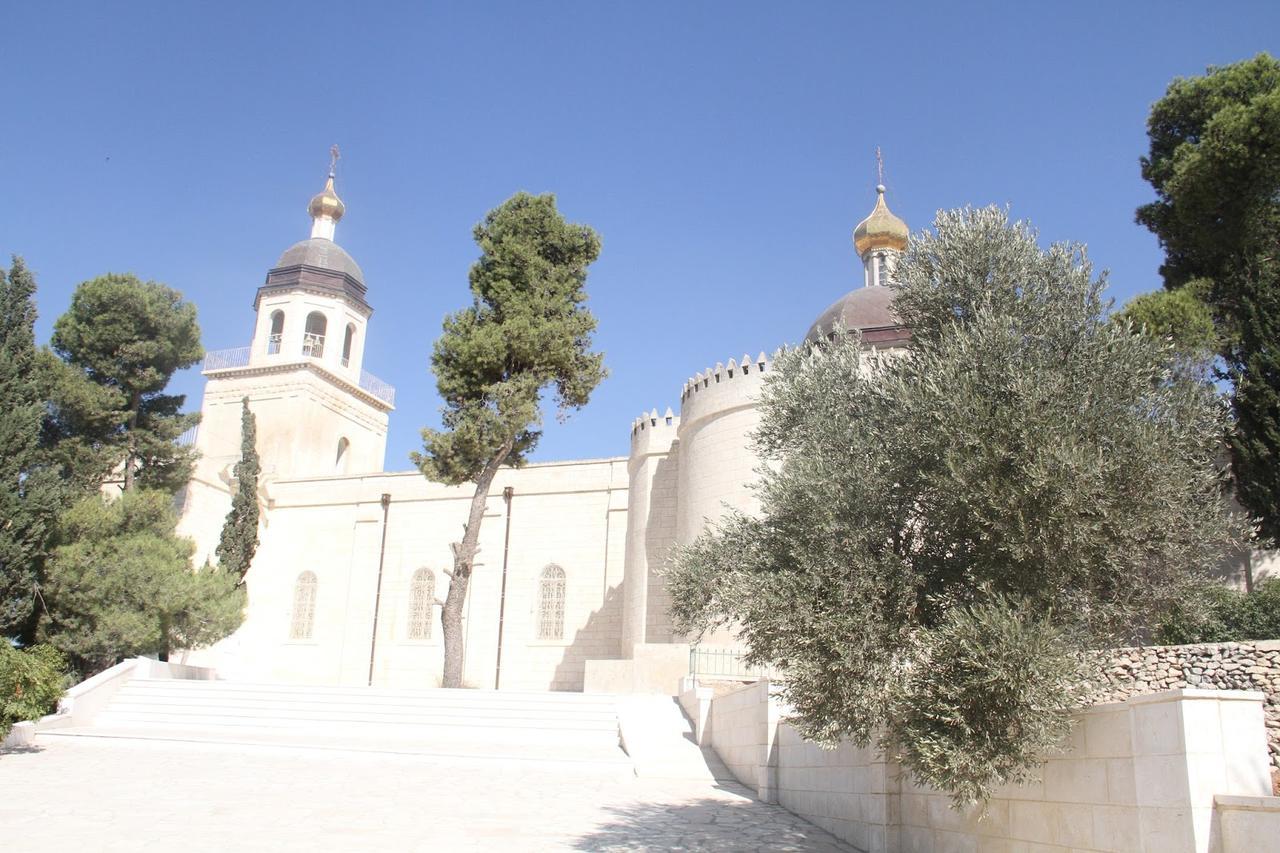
(313, 338)
(422, 599)
(276, 335)
(304, 607)
(551, 604)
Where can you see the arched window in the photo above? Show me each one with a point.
(422, 599)
(304, 607)
(313, 340)
(340, 463)
(277, 332)
(346, 344)
(551, 604)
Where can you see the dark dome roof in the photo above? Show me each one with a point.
(866, 309)
(322, 253)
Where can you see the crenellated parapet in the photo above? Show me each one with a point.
(653, 433)
(723, 387)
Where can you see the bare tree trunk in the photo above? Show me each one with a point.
(132, 454)
(464, 555)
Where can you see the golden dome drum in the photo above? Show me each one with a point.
(880, 230)
(327, 203)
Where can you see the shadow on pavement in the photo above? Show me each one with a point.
(708, 824)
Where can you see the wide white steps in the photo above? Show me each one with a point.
(572, 731)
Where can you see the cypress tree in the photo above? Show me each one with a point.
(240, 530)
(27, 503)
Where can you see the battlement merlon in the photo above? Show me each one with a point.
(723, 387)
(652, 433)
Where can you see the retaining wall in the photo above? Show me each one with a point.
(1214, 666)
(1137, 775)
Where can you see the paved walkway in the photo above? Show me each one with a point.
(89, 794)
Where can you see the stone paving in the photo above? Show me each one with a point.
(92, 794)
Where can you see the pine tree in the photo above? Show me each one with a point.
(128, 337)
(527, 331)
(1214, 163)
(240, 530)
(119, 583)
(28, 500)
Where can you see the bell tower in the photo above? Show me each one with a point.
(319, 412)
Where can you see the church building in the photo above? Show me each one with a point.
(568, 592)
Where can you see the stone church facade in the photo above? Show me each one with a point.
(351, 562)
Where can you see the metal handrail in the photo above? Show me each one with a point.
(221, 359)
(727, 663)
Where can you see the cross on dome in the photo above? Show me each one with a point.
(325, 207)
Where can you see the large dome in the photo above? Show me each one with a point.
(868, 310)
(321, 253)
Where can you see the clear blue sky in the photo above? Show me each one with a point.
(724, 150)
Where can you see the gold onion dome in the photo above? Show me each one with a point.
(880, 230)
(327, 203)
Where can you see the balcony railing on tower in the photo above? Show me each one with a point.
(221, 359)
(273, 343)
(225, 359)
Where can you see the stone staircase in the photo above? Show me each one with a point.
(567, 731)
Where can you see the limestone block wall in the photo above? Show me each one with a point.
(717, 465)
(651, 516)
(1140, 775)
(743, 726)
(571, 515)
(1216, 666)
(302, 415)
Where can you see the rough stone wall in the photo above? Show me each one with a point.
(1210, 666)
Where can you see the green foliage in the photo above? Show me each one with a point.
(528, 329)
(1213, 613)
(989, 695)
(1180, 316)
(119, 583)
(239, 538)
(29, 498)
(31, 683)
(128, 337)
(1214, 163)
(1023, 449)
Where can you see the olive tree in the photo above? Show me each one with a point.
(944, 531)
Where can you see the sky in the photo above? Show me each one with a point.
(723, 150)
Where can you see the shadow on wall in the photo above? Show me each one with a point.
(659, 539)
(599, 639)
(731, 821)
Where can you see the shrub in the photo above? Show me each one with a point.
(1213, 613)
(31, 683)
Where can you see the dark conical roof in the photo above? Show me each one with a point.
(867, 309)
(317, 264)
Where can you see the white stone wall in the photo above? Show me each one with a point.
(1216, 666)
(569, 514)
(717, 465)
(651, 503)
(296, 306)
(1141, 775)
(743, 725)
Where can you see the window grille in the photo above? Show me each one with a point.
(313, 339)
(551, 604)
(277, 332)
(422, 594)
(304, 607)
